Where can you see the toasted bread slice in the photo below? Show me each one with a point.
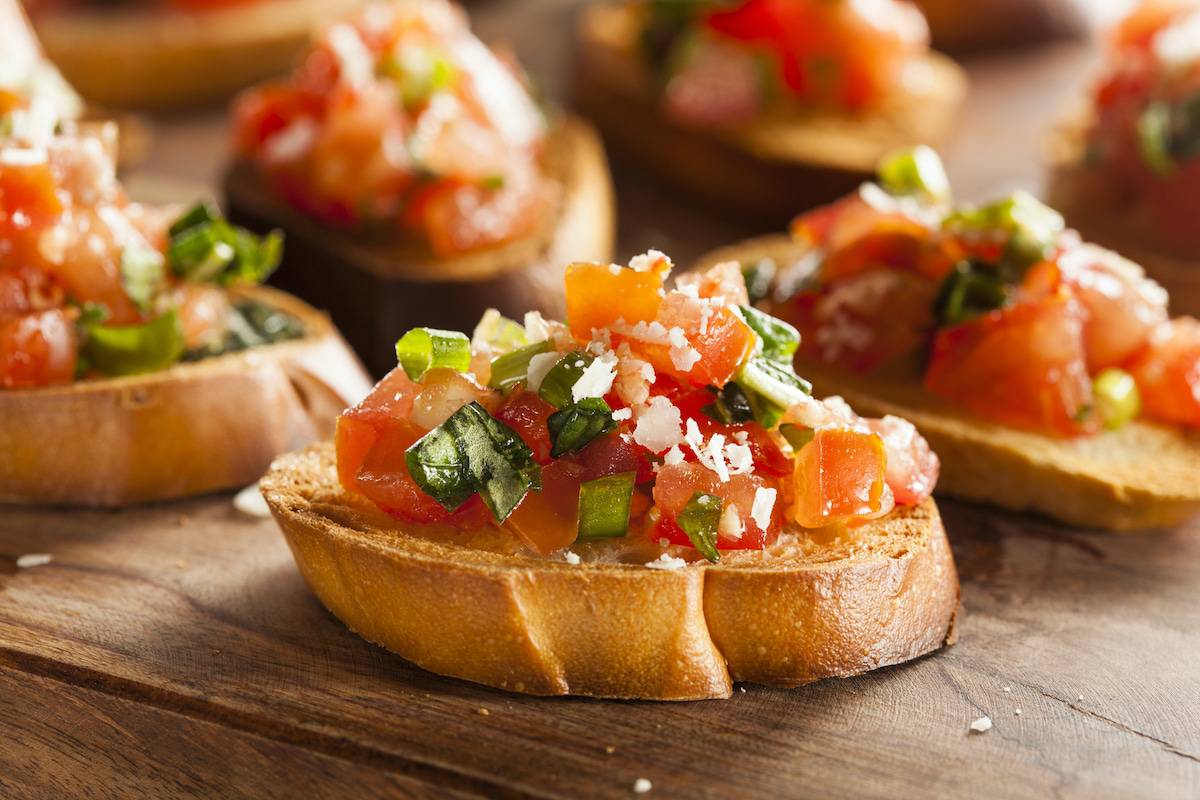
(772, 166)
(156, 59)
(1105, 214)
(196, 427)
(1141, 476)
(475, 605)
(983, 24)
(376, 288)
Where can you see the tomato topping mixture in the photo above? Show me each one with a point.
(1000, 308)
(725, 63)
(400, 117)
(93, 284)
(1143, 146)
(671, 416)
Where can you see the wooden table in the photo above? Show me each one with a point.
(173, 651)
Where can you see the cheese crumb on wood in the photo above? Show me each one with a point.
(30, 560)
(981, 725)
(250, 502)
(641, 786)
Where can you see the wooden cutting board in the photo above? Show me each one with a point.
(175, 652)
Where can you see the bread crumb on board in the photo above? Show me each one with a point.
(981, 725)
(250, 502)
(30, 560)
(610, 749)
(483, 712)
(641, 786)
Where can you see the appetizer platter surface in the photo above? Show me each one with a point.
(855, 494)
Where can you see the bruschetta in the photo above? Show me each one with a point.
(418, 178)
(138, 359)
(1127, 164)
(644, 502)
(174, 54)
(1044, 370)
(763, 107)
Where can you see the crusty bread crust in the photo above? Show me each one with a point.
(158, 60)
(194, 428)
(773, 166)
(1141, 476)
(377, 285)
(486, 611)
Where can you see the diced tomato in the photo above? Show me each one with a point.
(600, 294)
(527, 414)
(1168, 373)
(442, 392)
(1139, 28)
(24, 289)
(712, 358)
(37, 349)
(262, 112)
(768, 458)
(384, 479)
(1022, 366)
(548, 520)
(28, 196)
(912, 467)
(678, 483)
(458, 217)
(840, 477)
(359, 427)
(723, 282)
(613, 454)
(1122, 306)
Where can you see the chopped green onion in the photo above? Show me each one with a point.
(134, 349)
(1116, 397)
(142, 275)
(1032, 226)
(779, 339)
(916, 170)
(699, 520)
(556, 385)
(797, 435)
(471, 452)
(512, 368)
(574, 427)
(731, 406)
(604, 505)
(1154, 138)
(499, 333)
(204, 247)
(423, 349)
(765, 412)
(971, 289)
(759, 276)
(776, 383)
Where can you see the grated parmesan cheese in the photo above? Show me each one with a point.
(596, 379)
(659, 425)
(622, 414)
(667, 562)
(355, 62)
(730, 525)
(571, 557)
(764, 504)
(648, 260)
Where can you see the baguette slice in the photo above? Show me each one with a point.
(196, 427)
(1106, 215)
(476, 606)
(154, 59)
(377, 287)
(770, 167)
(1141, 476)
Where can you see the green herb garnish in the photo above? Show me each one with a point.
(134, 349)
(575, 426)
(915, 171)
(758, 277)
(1116, 398)
(423, 349)
(143, 275)
(971, 289)
(204, 248)
(699, 520)
(512, 368)
(556, 385)
(604, 505)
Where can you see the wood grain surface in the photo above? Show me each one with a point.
(173, 651)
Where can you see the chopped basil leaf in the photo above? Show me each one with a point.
(499, 333)
(774, 382)
(574, 427)
(915, 171)
(759, 276)
(730, 406)
(133, 349)
(471, 452)
(699, 520)
(797, 435)
(143, 275)
(512, 368)
(971, 289)
(493, 182)
(779, 339)
(556, 386)
(766, 413)
(204, 247)
(1033, 227)
(423, 349)
(251, 324)
(1154, 138)
(92, 314)
(604, 505)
